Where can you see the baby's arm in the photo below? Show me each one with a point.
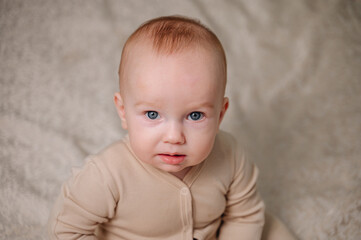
(86, 200)
(244, 214)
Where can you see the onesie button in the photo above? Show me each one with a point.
(184, 191)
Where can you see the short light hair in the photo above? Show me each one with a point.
(172, 34)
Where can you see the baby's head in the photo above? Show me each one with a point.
(172, 79)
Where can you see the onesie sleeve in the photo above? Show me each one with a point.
(244, 214)
(87, 199)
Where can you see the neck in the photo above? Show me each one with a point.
(181, 174)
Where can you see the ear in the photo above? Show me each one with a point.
(119, 105)
(224, 109)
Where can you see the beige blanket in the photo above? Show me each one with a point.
(294, 85)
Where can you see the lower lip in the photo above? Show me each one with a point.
(173, 160)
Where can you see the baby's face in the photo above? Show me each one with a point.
(172, 106)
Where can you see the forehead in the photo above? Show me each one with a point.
(191, 75)
(193, 65)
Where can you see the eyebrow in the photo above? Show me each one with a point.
(195, 106)
(143, 103)
(204, 105)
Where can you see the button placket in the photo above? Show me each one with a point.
(186, 210)
(184, 191)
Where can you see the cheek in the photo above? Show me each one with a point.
(143, 138)
(202, 143)
(142, 147)
(140, 135)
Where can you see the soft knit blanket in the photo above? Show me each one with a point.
(294, 83)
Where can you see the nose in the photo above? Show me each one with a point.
(174, 133)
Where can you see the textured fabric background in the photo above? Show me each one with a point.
(294, 85)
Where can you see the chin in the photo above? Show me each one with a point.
(173, 168)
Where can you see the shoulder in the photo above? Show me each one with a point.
(108, 166)
(229, 151)
(225, 139)
(114, 150)
(113, 156)
(226, 144)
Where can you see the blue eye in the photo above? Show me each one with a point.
(152, 115)
(195, 116)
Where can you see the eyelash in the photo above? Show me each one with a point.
(153, 115)
(201, 116)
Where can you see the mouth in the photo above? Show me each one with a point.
(172, 158)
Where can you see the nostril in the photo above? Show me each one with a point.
(174, 134)
(174, 139)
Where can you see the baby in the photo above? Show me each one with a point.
(175, 175)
